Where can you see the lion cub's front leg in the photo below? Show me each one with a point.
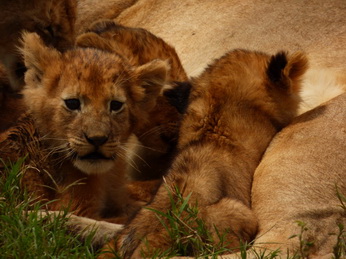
(224, 217)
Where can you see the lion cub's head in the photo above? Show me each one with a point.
(87, 102)
(242, 94)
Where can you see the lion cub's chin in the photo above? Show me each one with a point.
(94, 166)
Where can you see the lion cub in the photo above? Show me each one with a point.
(158, 136)
(235, 108)
(85, 103)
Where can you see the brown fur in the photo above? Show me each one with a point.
(158, 136)
(235, 108)
(202, 30)
(86, 145)
(11, 104)
(53, 20)
(23, 141)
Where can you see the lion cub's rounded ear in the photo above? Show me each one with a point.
(151, 78)
(177, 94)
(285, 70)
(37, 57)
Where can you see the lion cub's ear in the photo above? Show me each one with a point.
(37, 57)
(178, 94)
(151, 78)
(285, 71)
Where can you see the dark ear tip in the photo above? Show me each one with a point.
(276, 64)
(178, 95)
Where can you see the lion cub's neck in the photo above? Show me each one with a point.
(247, 132)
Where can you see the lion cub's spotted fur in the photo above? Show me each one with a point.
(85, 103)
(235, 108)
(158, 136)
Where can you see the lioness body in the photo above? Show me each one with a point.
(298, 179)
(205, 30)
(202, 30)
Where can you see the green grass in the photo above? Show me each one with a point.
(29, 235)
(189, 232)
(198, 241)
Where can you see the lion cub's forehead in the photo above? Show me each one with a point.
(95, 74)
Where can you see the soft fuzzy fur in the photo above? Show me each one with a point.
(158, 136)
(235, 108)
(86, 145)
(202, 30)
(298, 179)
(163, 115)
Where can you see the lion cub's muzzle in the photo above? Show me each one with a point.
(95, 152)
(95, 158)
(96, 141)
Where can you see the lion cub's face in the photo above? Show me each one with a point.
(87, 102)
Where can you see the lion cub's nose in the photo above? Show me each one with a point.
(97, 140)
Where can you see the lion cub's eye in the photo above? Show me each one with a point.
(72, 104)
(116, 106)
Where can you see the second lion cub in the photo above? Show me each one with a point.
(235, 108)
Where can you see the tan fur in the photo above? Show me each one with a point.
(202, 30)
(297, 180)
(53, 20)
(89, 11)
(208, 29)
(235, 108)
(157, 136)
(86, 145)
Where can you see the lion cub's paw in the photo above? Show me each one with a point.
(230, 222)
(227, 221)
(143, 236)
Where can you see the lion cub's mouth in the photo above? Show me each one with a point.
(94, 163)
(94, 156)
